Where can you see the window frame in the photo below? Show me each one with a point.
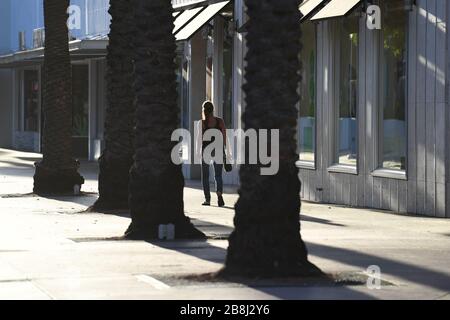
(334, 166)
(19, 125)
(380, 170)
(305, 164)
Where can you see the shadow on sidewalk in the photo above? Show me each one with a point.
(409, 272)
(307, 218)
(292, 288)
(197, 185)
(12, 164)
(199, 249)
(17, 172)
(85, 199)
(361, 260)
(281, 288)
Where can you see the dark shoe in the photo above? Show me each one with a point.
(221, 202)
(206, 203)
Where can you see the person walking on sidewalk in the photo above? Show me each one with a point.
(211, 122)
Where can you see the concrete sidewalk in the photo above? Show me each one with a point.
(51, 249)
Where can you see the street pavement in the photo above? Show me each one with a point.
(50, 248)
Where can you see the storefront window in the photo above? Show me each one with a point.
(183, 86)
(80, 104)
(307, 121)
(31, 101)
(227, 76)
(346, 88)
(392, 84)
(80, 110)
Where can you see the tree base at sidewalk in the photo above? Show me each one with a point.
(113, 182)
(277, 258)
(156, 198)
(267, 240)
(49, 181)
(184, 230)
(304, 270)
(108, 207)
(321, 279)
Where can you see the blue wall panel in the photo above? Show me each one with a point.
(5, 26)
(27, 15)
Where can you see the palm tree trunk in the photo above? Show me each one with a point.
(266, 241)
(58, 171)
(156, 184)
(117, 158)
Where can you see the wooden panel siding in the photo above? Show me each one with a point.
(410, 189)
(447, 111)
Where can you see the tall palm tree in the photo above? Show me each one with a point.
(117, 158)
(58, 171)
(266, 241)
(156, 184)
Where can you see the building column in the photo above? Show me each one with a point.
(93, 152)
(217, 93)
(197, 90)
(239, 52)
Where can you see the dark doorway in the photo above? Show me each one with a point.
(80, 110)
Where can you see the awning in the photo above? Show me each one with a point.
(308, 7)
(205, 15)
(179, 4)
(336, 8)
(78, 49)
(185, 17)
